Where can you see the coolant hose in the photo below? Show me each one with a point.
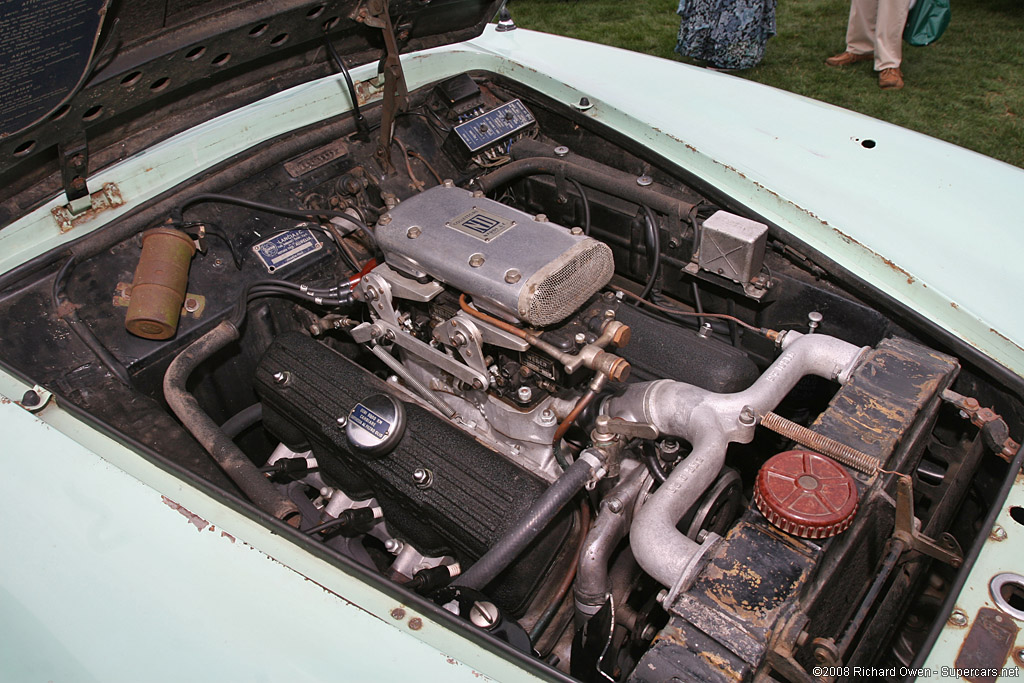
(535, 520)
(218, 444)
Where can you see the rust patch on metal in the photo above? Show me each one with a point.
(192, 517)
(1006, 339)
(415, 623)
(106, 198)
(398, 613)
(987, 645)
(4, 400)
(228, 536)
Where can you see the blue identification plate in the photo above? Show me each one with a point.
(375, 424)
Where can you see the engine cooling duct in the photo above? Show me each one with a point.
(710, 422)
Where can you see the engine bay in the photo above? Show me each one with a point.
(518, 365)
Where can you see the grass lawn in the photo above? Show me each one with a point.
(967, 88)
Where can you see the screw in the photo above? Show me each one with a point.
(669, 446)
(958, 617)
(512, 276)
(705, 331)
(580, 338)
(614, 505)
(814, 319)
(998, 533)
(484, 614)
(422, 477)
(342, 421)
(413, 232)
(476, 260)
(191, 305)
(524, 394)
(747, 416)
(609, 314)
(281, 377)
(561, 151)
(393, 546)
(644, 180)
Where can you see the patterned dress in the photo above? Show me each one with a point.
(728, 34)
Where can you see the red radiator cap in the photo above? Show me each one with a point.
(806, 494)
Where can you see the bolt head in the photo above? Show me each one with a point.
(385, 219)
(524, 394)
(448, 182)
(281, 377)
(512, 276)
(342, 421)
(580, 338)
(614, 505)
(958, 618)
(747, 416)
(484, 614)
(419, 475)
(561, 151)
(576, 231)
(998, 533)
(541, 218)
(413, 232)
(476, 260)
(644, 180)
(649, 632)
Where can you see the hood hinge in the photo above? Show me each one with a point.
(74, 169)
(396, 94)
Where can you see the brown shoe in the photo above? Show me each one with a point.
(890, 79)
(848, 58)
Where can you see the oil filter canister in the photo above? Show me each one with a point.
(161, 279)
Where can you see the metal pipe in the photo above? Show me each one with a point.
(592, 582)
(710, 422)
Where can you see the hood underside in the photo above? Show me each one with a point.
(106, 78)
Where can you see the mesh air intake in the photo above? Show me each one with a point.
(565, 284)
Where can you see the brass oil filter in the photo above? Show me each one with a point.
(161, 278)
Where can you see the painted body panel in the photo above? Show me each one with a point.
(113, 570)
(269, 610)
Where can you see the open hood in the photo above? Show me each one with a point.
(89, 82)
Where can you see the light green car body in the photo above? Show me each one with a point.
(114, 569)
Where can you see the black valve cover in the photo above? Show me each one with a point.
(474, 494)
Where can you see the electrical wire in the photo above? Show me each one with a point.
(676, 311)
(361, 124)
(437, 176)
(310, 214)
(653, 240)
(586, 204)
(697, 305)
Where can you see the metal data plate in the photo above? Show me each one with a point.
(481, 224)
(497, 124)
(286, 248)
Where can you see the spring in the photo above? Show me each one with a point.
(821, 443)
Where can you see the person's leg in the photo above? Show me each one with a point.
(860, 30)
(888, 33)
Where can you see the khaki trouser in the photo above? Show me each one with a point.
(877, 26)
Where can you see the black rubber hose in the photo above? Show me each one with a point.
(653, 463)
(242, 420)
(653, 251)
(220, 447)
(623, 187)
(536, 519)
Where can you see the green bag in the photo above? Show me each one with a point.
(926, 21)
